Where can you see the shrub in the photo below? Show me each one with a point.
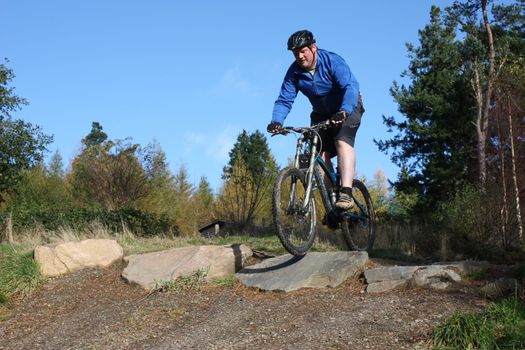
(19, 274)
(475, 221)
(139, 222)
(500, 326)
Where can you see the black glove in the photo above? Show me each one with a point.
(274, 127)
(339, 117)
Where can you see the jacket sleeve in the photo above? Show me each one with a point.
(347, 83)
(287, 96)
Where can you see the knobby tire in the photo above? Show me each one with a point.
(296, 228)
(359, 226)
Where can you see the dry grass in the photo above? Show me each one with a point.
(26, 278)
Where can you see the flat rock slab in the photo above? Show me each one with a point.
(149, 269)
(440, 276)
(58, 259)
(314, 270)
(383, 286)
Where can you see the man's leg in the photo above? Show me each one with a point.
(346, 163)
(344, 145)
(328, 161)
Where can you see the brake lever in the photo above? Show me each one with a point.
(282, 132)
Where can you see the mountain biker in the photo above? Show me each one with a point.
(326, 80)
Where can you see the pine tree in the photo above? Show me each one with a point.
(435, 141)
(204, 192)
(249, 176)
(56, 165)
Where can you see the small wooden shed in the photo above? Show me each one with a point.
(212, 229)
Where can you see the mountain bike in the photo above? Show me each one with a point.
(294, 209)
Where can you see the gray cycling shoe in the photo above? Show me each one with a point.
(345, 202)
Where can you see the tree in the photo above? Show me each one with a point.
(95, 137)
(379, 192)
(183, 187)
(56, 166)
(460, 112)
(249, 177)
(203, 202)
(434, 143)
(480, 59)
(494, 51)
(509, 109)
(510, 103)
(238, 198)
(22, 145)
(161, 196)
(9, 102)
(155, 164)
(204, 192)
(185, 206)
(108, 174)
(39, 191)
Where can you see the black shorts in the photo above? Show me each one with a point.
(345, 132)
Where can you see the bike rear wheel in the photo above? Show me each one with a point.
(294, 216)
(358, 225)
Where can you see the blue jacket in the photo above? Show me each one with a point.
(333, 87)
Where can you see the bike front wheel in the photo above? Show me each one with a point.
(294, 215)
(358, 224)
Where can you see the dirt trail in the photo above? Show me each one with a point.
(96, 309)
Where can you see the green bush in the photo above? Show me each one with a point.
(139, 222)
(474, 221)
(500, 326)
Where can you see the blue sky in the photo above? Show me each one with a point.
(192, 75)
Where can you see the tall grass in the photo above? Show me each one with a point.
(19, 273)
(500, 326)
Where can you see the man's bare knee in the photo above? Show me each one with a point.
(341, 144)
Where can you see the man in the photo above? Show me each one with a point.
(326, 80)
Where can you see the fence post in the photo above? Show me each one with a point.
(444, 251)
(7, 235)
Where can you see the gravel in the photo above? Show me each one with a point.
(96, 309)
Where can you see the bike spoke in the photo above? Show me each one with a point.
(358, 228)
(293, 215)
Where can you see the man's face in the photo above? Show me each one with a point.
(306, 57)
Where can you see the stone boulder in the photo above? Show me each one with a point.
(441, 276)
(501, 287)
(58, 259)
(218, 261)
(436, 277)
(314, 270)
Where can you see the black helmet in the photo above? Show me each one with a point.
(300, 39)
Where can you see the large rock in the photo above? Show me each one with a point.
(466, 267)
(436, 277)
(440, 276)
(218, 261)
(54, 260)
(501, 287)
(390, 273)
(384, 286)
(314, 270)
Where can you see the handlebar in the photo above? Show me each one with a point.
(285, 130)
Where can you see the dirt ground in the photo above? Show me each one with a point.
(96, 309)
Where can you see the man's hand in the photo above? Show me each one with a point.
(338, 118)
(274, 127)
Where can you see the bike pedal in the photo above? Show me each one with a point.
(331, 220)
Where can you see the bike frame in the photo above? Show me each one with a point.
(315, 163)
(312, 173)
